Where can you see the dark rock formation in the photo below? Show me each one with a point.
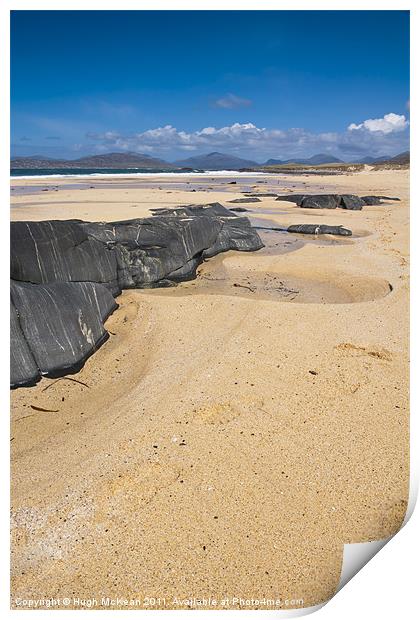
(238, 209)
(209, 210)
(332, 201)
(244, 200)
(149, 250)
(235, 233)
(296, 198)
(60, 323)
(371, 200)
(23, 368)
(351, 202)
(376, 200)
(65, 275)
(261, 195)
(59, 251)
(319, 229)
(320, 201)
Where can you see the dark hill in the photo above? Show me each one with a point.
(107, 160)
(216, 161)
(315, 160)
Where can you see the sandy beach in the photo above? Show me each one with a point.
(235, 430)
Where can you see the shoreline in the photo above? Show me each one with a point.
(198, 174)
(222, 184)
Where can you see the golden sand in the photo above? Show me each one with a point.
(234, 431)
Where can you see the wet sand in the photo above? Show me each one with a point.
(235, 430)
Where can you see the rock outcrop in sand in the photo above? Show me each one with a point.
(245, 200)
(55, 327)
(319, 229)
(332, 201)
(65, 275)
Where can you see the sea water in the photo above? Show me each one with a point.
(32, 173)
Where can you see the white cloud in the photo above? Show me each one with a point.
(168, 137)
(388, 124)
(232, 101)
(260, 143)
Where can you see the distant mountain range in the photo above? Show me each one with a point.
(216, 161)
(210, 161)
(402, 158)
(322, 158)
(108, 160)
(315, 160)
(372, 160)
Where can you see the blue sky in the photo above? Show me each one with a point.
(177, 83)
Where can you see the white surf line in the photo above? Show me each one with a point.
(146, 175)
